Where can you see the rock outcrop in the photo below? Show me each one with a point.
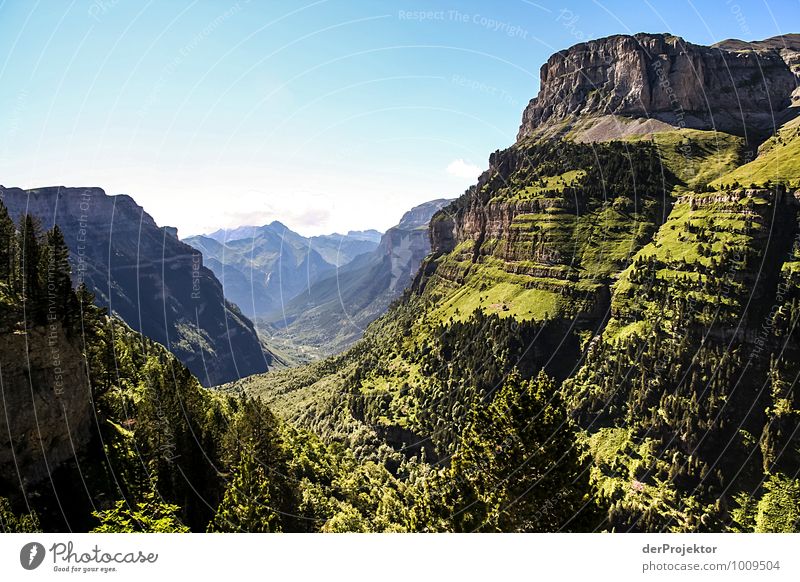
(46, 411)
(736, 87)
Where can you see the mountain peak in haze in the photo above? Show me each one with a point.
(237, 233)
(278, 225)
(334, 311)
(420, 215)
(370, 234)
(263, 267)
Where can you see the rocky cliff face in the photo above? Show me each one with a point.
(152, 281)
(404, 246)
(46, 411)
(671, 277)
(734, 87)
(535, 240)
(530, 215)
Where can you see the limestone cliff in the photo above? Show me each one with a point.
(659, 81)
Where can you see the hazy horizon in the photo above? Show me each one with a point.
(243, 226)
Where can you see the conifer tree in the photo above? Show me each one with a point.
(13, 523)
(8, 249)
(89, 316)
(56, 271)
(518, 468)
(255, 431)
(151, 515)
(30, 254)
(247, 504)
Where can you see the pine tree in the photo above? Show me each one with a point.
(247, 504)
(151, 515)
(89, 317)
(13, 523)
(8, 249)
(61, 300)
(518, 468)
(255, 431)
(30, 254)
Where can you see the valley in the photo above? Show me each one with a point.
(599, 335)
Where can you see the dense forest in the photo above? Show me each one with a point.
(599, 341)
(167, 455)
(164, 454)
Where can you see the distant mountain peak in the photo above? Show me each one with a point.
(366, 235)
(333, 311)
(278, 225)
(263, 267)
(420, 215)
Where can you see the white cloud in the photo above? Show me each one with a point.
(462, 169)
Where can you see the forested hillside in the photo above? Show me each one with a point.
(105, 430)
(632, 286)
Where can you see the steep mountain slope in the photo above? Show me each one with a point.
(333, 312)
(144, 274)
(681, 373)
(604, 337)
(623, 266)
(262, 268)
(104, 430)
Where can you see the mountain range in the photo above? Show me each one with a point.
(263, 267)
(332, 312)
(627, 269)
(337, 249)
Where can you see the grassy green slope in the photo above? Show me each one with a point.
(778, 161)
(567, 219)
(697, 157)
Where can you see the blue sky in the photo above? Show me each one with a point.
(327, 115)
